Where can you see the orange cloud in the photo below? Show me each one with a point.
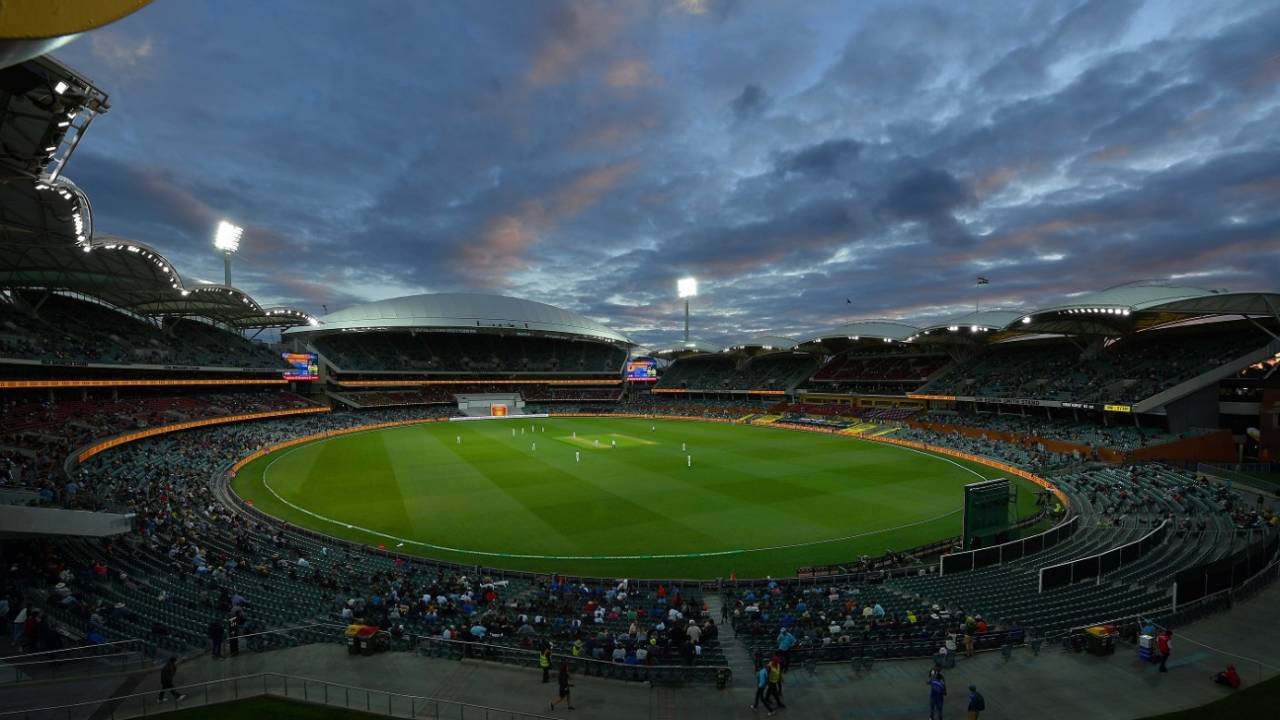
(626, 74)
(584, 28)
(500, 249)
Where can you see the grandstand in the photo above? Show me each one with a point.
(1141, 421)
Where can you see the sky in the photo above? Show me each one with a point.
(810, 163)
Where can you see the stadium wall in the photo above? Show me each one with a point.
(1217, 446)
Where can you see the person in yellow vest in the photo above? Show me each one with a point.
(577, 648)
(544, 662)
(774, 688)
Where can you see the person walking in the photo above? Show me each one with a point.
(1164, 643)
(977, 703)
(762, 683)
(215, 638)
(774, 688)
(937, 691)
(166, 680)
(544, 662)
(563, 680)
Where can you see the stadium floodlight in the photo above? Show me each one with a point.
(61, 87)
(686, 288)
(227, 239)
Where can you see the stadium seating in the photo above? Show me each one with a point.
(461, 353)
(1128, 371)
(894, 369)
(36, 436)
(69, 330)
(444, 394)
(1118, 437)
(715, 373)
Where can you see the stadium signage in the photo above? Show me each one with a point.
(1081, 405)
(1012, 401)
(1118, 408)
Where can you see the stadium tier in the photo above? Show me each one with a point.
(451, 353)
(62, 330)
(779, 372)
(1134, 369)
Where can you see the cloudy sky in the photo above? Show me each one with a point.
(790, 155)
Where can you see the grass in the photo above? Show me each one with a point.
(274, 708)
(756, 501)
(1253, 701)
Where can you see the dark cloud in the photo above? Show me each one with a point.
(587, 153)
(931, 197)
(750, 103)
(825, 159)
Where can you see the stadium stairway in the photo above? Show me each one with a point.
(735, 653)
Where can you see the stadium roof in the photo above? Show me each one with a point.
(692, 346)
(46, 108)
(1139, 306)
(762, 342)
(134, 276)
(974, 327)
(864, 329)
(464, 310)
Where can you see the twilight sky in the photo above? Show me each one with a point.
(790, 155)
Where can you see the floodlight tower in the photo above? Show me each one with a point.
(228, 241)
(687, 288)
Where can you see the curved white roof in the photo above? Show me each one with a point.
(990, 319)
(886, 329)
(1134, 297)
(687, 347)
(464, 310)
(767, 342)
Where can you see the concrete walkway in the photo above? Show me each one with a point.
(1054, 684)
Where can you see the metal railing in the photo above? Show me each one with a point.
(278, 685)
(465, 649)
(63, 668)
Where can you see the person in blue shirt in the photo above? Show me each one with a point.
(976, 703)
(762, 681)
(937, 691)
(786, 641)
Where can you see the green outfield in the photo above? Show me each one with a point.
(618, 497)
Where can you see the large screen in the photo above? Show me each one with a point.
(302, 366)
(642, 369)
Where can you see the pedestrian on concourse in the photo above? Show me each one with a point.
(563, 679)
(977, 703)
(166, 680)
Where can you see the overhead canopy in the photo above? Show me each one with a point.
(684, 348)
(1129, 308)
(133, 276)
(970, 328)
(861, 332)
(46, 108)
(757, 343)
(447, 311)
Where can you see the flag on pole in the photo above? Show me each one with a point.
(983, 281)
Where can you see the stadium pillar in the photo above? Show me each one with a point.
(686, 319)
(226, 269)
